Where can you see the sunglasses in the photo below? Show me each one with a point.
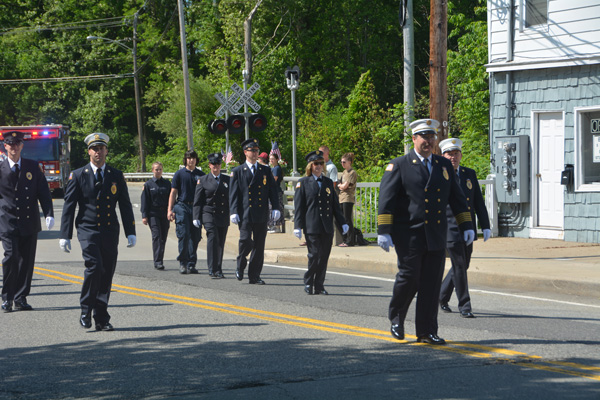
(254, 150)
(318, 163)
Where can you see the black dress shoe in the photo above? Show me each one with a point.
(192, 270)
(211, 274)
(218, 275)
(239, 274)
(308, 289)
(431, 339)
(322, 291)
(104, 327)
(183, 269)
(159, 267)
(86, 320)
(7, 306)
(22, 305)
(445, 308)
(257, 282)
(464, 314)
(397, 331)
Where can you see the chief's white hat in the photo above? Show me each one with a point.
(96, 139)
(421, 126)
(450, 144)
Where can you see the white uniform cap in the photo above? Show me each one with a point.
(423, 125)
(450, 144)
(96, 139)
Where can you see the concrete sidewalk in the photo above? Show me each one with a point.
(524, 264)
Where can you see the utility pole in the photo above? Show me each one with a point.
(408, 36)
(186, 79)
(138, 106)
(438, 84)
(247, 72)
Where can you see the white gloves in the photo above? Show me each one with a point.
(197, 223)
(469, 236)
(385, 241)
(487, 234)
(131, 239)
(275, 215)
(235, 219)
(298, 233)
(345, 229)
(49, 223)
(65, 245)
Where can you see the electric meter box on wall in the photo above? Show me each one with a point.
(511, 154)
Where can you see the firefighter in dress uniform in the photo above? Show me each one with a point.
(22, 185)
(315, 206)
(252, 186)
(414, 192)
(155, 200)
(211, 209)
(96, 189)
(459, 251)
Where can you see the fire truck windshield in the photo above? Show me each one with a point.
(39, 150)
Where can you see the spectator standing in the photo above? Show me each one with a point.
(460, 253)
(181, 201)
(275, 225)
(315, 206)
(96, 189)
(211, 209)
(155, 201)
(22, 186)
(330, 170)
(252, 187)
(347, 189)
(414, 192)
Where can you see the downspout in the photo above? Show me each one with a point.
(510, 28)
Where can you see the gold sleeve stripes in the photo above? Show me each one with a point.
(385, 219)
(463, 217)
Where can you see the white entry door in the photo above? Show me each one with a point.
(550, 155)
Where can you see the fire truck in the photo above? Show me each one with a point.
(49, 145)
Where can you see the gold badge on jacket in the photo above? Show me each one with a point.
(264, 179)
(113, 188)
(469, 184)
(445, 172)
(28, 175)
(328, 191)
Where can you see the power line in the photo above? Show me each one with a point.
(116, 21)
(65, 79)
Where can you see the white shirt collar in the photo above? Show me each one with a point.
(422, 158)
(251, 165)
(94, 168)
(11, 163)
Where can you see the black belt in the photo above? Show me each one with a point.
(189, 203)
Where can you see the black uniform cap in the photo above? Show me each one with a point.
(249, 143)
(215, 158)
(13, 137)
(314, 156)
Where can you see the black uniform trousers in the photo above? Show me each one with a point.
(17, 265)
(215, 245)
(419, 270)
(347, 208)
(159, 226)
(460, 255)
(319, 248)
(99, 253)
(187, 234)
(252, 240)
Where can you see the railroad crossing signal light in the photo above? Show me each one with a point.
(257, 122)
(236, 123)
(217, 126)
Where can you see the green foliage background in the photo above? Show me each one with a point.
(349, 52)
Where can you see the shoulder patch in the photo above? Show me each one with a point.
(298, 185)
(389, 167)
(70, 176)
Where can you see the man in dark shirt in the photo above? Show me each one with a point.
(181, 201)
(155, 200)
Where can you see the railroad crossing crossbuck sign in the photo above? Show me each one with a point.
(233, 104)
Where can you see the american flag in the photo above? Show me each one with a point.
(275, 150)
(229, 156)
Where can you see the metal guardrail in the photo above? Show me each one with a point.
(367, 200)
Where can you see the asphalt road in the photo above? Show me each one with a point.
(191, 337)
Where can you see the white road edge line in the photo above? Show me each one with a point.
(375, 278)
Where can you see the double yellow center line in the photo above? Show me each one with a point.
(467, 349)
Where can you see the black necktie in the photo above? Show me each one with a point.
(217, 179)
(253, 169)
(319, 179)
(16, 176)
(17, 169)
(98, 184)
(426, 163)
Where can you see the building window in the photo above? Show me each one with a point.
(587, 149)
(536, 12)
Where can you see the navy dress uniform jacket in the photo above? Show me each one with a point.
(249, 194)
(470, 187)
(211, 201)
(19, 212)
(315, 208)
(411, 199)
(97, 213)
(155, 198)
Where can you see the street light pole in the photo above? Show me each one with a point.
(186, 78)
(292, 76)
(136, 85)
